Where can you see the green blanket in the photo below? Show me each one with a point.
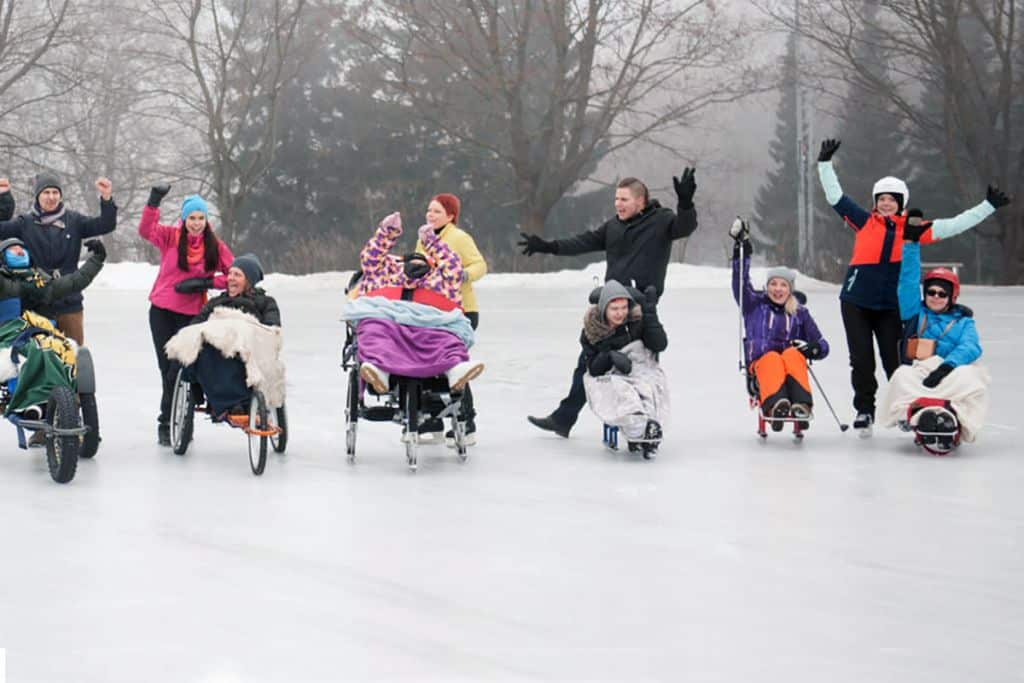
(39, 370)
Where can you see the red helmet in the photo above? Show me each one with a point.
(946, 275)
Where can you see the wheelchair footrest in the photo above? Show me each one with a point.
(379, 414)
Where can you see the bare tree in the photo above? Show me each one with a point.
(967, 50)
(236, 57)
(552, 86)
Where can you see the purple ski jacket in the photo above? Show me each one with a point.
(768, 327)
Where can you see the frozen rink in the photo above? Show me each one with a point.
(540, 558)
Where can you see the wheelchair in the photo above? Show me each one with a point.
(60, 402)
(263, 426)
(407, 402)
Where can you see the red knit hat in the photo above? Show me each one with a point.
(450, 203)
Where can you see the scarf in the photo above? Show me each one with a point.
(196, 250)
(49, 218)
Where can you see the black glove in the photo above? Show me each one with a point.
(828, 148)
(156, 194)
(915, 225)
(621, 362)
(535, 244)
(937, 375)
(748, 248)
(415, 268)
(810, 350)
(996, 197)
(96, 247)
(600, 364)
(685, 185)
(194, 285)
(650, 302)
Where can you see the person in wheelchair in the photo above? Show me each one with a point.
(23, 288)
(780, 338)
(624, 384)
(26, 287)
(233, 344)
(408, 315)
(940, 390)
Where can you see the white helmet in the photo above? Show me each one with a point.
(893, 186)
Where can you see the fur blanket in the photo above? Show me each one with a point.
(966, 389)
(235, 333)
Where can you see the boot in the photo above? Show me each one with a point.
(548, 423)
(375, 377)
(462, 374)
(163, 434)
(779, 411)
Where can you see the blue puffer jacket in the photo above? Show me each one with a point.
(957, 346)
(768, 327)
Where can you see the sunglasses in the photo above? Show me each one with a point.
(938, 293)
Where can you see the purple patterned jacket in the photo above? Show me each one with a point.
(383, 271)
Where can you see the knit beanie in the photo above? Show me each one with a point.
(193, 202)
(450, 203)
(250, 266)
(45, 180)
(784, 273)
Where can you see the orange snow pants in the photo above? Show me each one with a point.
(772, 370)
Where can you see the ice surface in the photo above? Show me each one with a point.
(540, 558)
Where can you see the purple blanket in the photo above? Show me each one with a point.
(408, 350)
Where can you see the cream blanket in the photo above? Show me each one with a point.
(966, 389)
(235, 333)
(629, 401)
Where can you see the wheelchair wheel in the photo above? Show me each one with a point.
(182, 415)
(351, 414)
(279, 418)
(90, 418)
(62, 450)
(258, 419)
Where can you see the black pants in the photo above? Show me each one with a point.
(569, 409)
(163, 325)
(468, 410)
(863, 326)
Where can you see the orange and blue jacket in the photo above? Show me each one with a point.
(872, 278)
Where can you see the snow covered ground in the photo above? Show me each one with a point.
(540, 558)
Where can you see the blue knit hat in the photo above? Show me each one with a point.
(250, 265)
(193, 202)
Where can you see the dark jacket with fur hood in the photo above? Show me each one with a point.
(599, 337)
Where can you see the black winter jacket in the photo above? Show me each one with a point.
(37, 289)
(58, 247)
(256, 303)
(638, 249)
(597, 336)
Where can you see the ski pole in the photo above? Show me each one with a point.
(738, 227)
(842, 427)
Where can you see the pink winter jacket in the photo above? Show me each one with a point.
(165, 238)
(382, 270)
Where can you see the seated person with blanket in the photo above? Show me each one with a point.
(625, 385)
(940, 388)
(408, 316)
(233, 345)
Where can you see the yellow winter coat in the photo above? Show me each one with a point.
(472, 262)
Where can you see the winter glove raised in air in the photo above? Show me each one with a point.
(194, 285)
(739, 231)
(915, 226)
(828, 148)
(96, 247)
(535, 244)
(686, 186)
(649, 305)
(156, 194)
(996, 197)
(937, 375)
